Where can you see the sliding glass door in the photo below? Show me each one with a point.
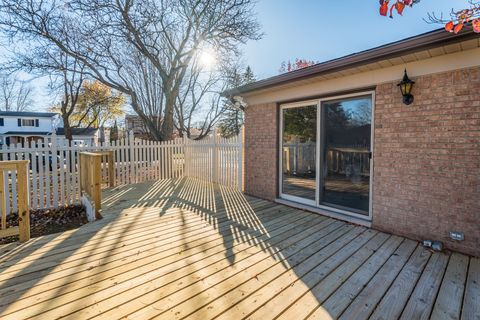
(299, 153)
(345, 154)
(326, 153)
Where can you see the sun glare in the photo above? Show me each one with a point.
(207, 59)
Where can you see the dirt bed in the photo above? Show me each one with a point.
(48, 221)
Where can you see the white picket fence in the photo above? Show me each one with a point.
(54, 180)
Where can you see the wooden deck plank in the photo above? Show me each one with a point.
(185, 248)
(148, 263)
(449, 300)
(266, 285)
(343, 296)
(116, 267)
(471, 304)
(115, 253)
(237, 273)
(147, 219)
(420, 304)
(119, 218)
(362, 306)
(106, 244)
(321, 291)
(392, 304)
(277, 303)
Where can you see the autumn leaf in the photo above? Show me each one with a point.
(476, 25)
(449, 26)
(457, 28)
(383, 8)
(399, 6)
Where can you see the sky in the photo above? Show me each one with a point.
(321, 30)
(317, 30)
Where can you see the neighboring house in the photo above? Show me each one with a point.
(20, 127)
(136, 125)
(89, 136)
(412, 170)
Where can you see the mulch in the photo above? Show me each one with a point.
(48, 221)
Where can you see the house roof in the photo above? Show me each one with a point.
(27, 133)
(27, 114)
(422, 42)
(78, 131)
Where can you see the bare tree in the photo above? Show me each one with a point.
(15, 95)
(200, 98)
(107, 36)
(233, 116)
(72, 78)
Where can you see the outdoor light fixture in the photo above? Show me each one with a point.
(406, 86)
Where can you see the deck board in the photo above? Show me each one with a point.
(183, 248)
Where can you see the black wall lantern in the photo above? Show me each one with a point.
(406, 86)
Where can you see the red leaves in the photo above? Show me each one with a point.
(464, 17)
(399, 5)
(459, 19)
(449, 26)
(298, 64)
(476, 25)
(383, 8)
(458, 28)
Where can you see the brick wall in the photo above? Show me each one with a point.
(261, 130)
(427, 159)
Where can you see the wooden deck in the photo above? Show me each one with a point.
(178, 249)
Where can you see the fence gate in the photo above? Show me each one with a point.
(216, 159)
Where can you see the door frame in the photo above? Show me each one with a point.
(316, 203)
(306, 103)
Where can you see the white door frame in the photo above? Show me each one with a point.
(307, 103)
(316, 203)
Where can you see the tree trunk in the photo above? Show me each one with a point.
(154, 131)
(66, 127)
(167, 125)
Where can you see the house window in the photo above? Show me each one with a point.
(2, 122)
(28, 123)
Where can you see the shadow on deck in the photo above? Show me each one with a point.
(184, 248)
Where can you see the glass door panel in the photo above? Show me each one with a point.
(299, 136)
(345, 154)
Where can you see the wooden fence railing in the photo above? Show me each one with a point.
(14, 176)
(54, 175)
(91, 176)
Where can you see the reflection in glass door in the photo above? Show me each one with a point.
(299, 139)
(345, 154)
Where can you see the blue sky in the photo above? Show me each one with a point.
(320, 30)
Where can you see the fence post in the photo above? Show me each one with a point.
(185, 161)
(131, 143)
(54, 171)
(111, 169)
(215, 157)
(23, 210)
(96, 179)
(2, 200)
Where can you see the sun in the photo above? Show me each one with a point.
(207, 59)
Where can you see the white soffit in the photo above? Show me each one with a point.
(455, 56)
